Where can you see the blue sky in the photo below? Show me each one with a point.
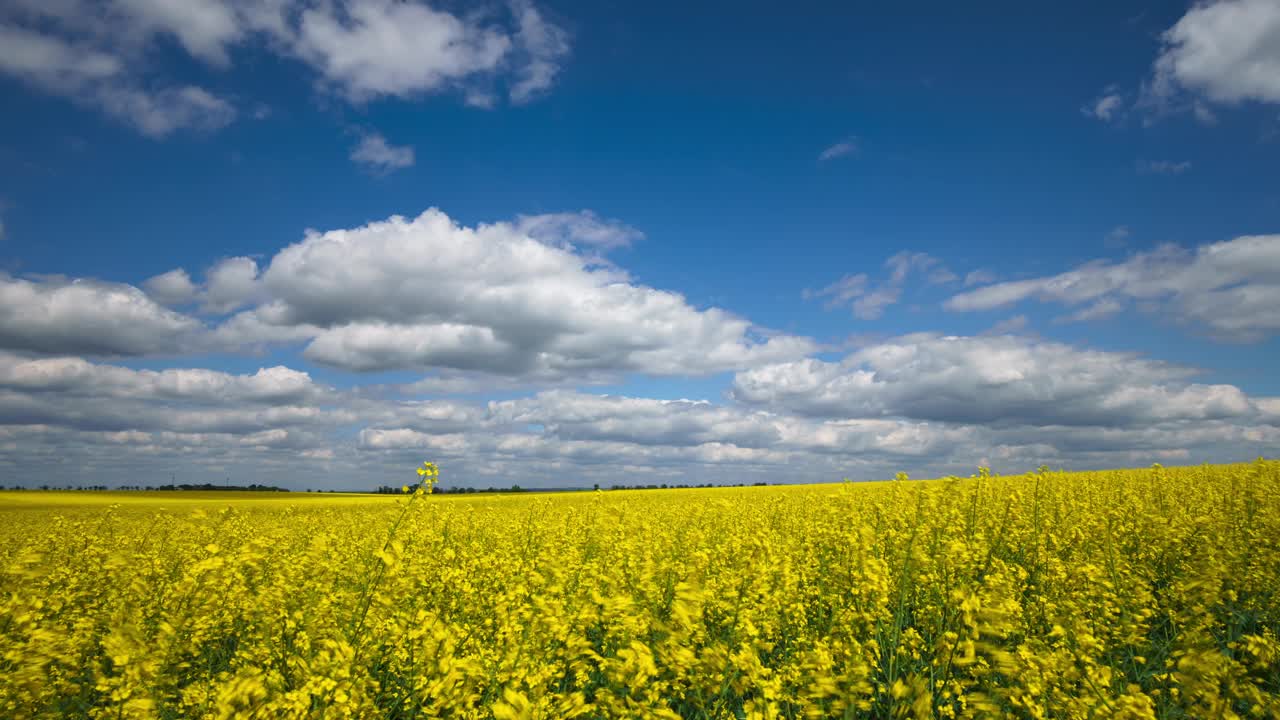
(870, 239)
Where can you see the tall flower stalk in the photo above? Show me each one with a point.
(428, 476)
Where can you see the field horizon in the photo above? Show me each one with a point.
(241, 493)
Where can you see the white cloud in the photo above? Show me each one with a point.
(96, 53)
(77, 71)
(542, 48)
(578, 416)
(76, 377)
(256, 329)
(68, 392)
(54, 315)
(1226, 51)
(428, 294)
(869, 303)
(52, 63)
(584, 436)
(230, 284)
(510, 302)
(931, 405)
(375, 48)
(203, 27)
(171, 288)
(1230, 288)
(605, 431)
(160, 113)
(997, 380)
(1106, 107)
(480, 383)
(843, 148)
(577, 229)
(367, 49)
(376, 155)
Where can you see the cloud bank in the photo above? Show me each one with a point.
(101, 54)
(503, 328)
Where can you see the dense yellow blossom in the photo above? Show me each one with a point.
(1128, 594)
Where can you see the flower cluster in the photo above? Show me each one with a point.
(1136, 594)
(428, 476)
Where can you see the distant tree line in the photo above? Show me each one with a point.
(665, 486)
(391, 490)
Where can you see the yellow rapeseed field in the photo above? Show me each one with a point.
(1127, 594)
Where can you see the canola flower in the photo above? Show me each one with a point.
(1148, 593)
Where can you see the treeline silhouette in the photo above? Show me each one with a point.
(665, 486)
(392, 490)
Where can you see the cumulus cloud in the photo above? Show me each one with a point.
(528, 301)
(999, 380)
(1226, 51)
(426, 293)
(1222, 52)
(231, 283)
(868, 302)
(56, 315)
(76, 377)
(1231, 288)
(374, 48)
(376, 155)
(71, 393)
(96, 53)
(171, 288)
